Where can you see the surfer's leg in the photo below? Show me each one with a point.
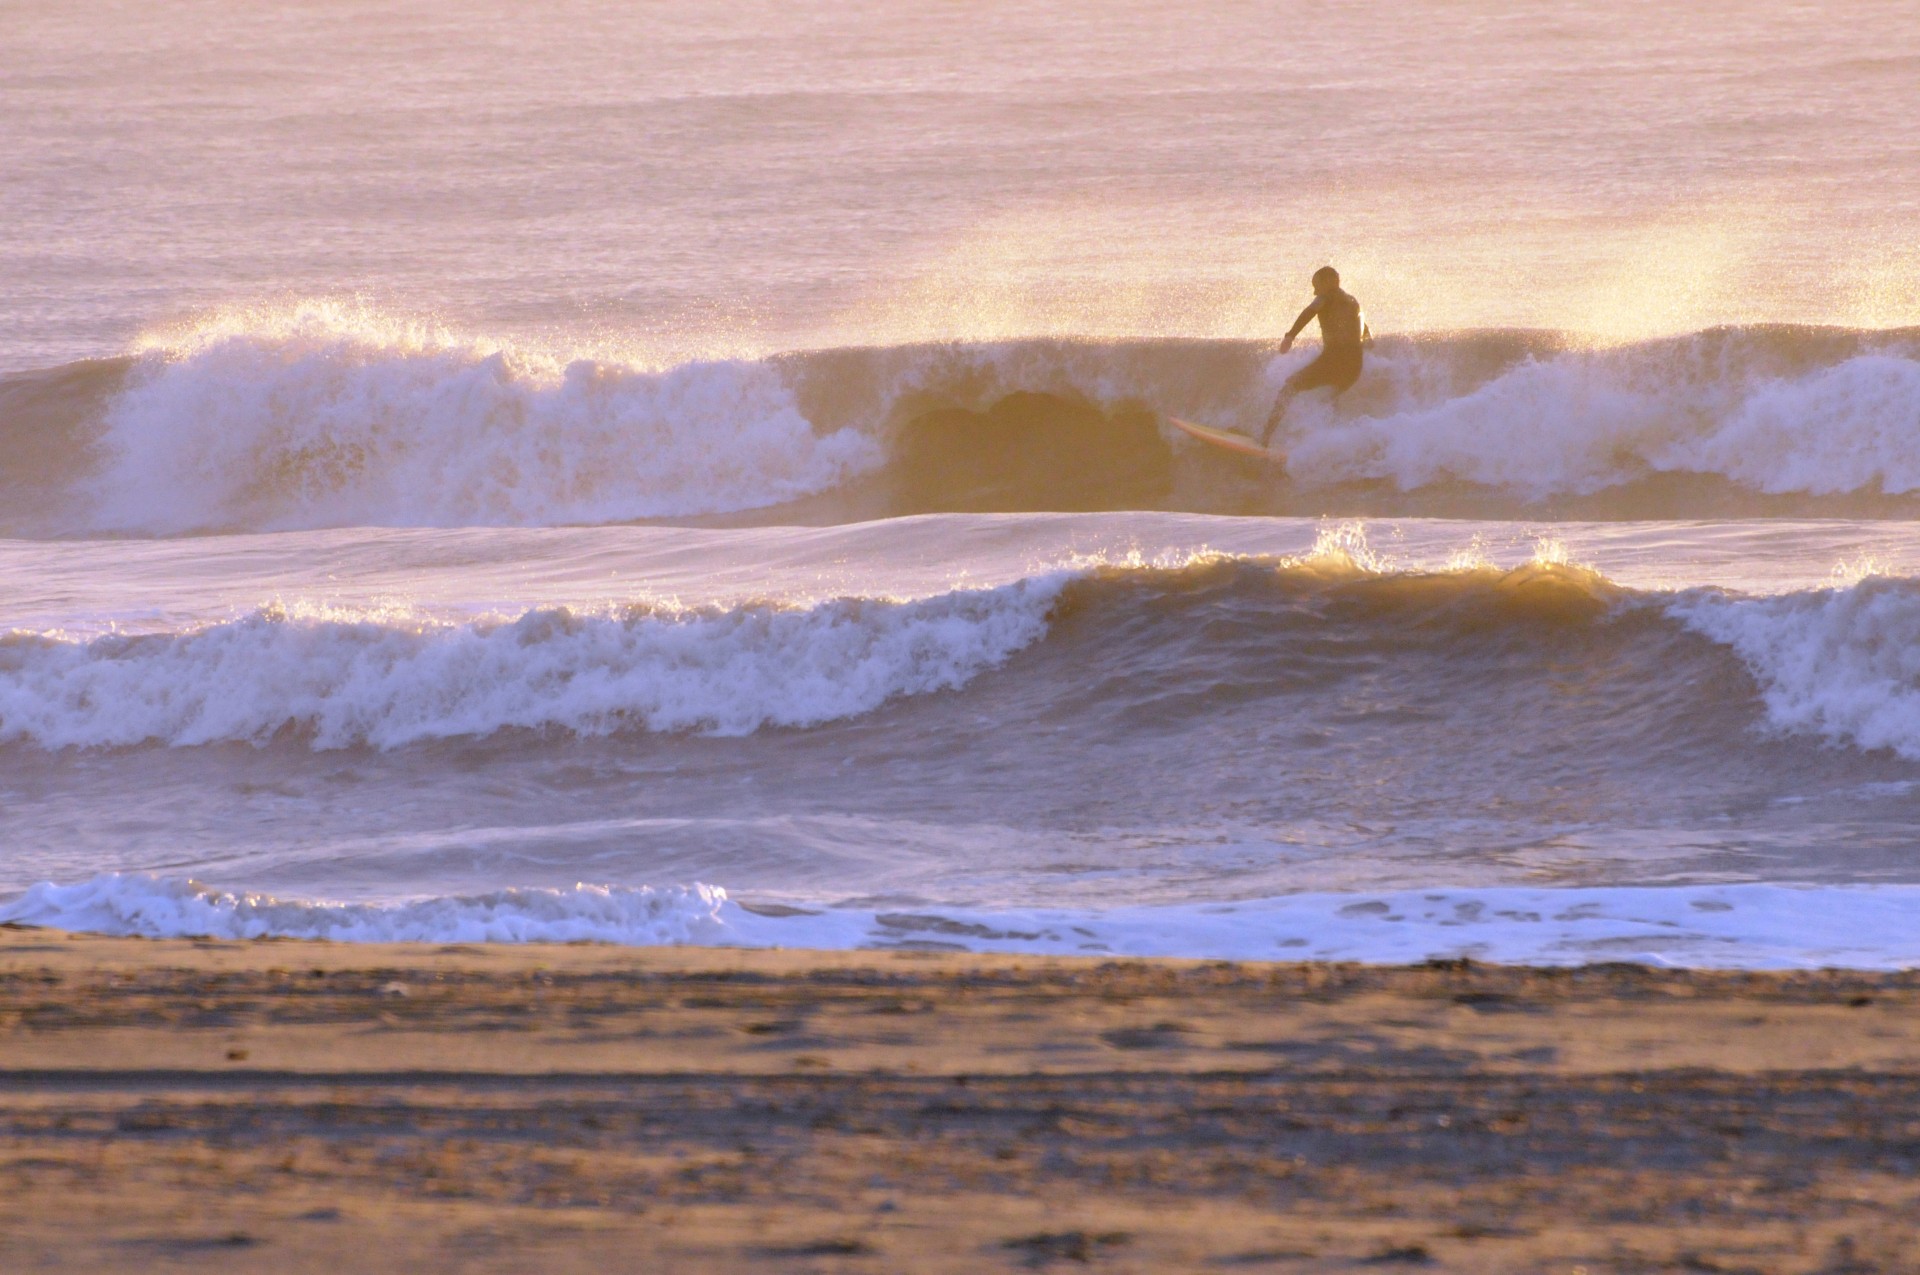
(1279, 410)
(1310, 377)
(1336, 370)
(1339, 389)
(1344, 373)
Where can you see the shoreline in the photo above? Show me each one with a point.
(299, 1105)
(1731, 926)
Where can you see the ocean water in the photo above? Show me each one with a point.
(701, 475)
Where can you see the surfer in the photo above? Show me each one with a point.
(1343, 332)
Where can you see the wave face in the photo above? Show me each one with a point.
(322, 415)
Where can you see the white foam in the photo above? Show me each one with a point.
(1852, 427)
(1567, 424)
(1843, 662)
(1723, 926)
(155, 907)
(325, 415)
(1578, 423)
(389, 681)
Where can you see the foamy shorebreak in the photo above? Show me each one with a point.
(1711, 927)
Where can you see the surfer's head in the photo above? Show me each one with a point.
(1326, 279)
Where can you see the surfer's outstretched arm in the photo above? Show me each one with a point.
(1306, 317)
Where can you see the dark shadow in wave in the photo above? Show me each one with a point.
(1030, 452)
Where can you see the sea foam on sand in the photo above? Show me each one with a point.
(1747, 926)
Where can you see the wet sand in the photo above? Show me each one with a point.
(294, 1106)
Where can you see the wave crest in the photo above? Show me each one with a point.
(327, 416)
(1841, 662)
(390, 682)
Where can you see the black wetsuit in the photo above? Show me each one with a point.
(1341, 329)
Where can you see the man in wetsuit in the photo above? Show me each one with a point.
(1343, 331)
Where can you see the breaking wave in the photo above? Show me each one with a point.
(1108, 646)
(324, 415)
(1842, 662)
(340, 680)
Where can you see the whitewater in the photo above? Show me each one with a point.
(693, 474)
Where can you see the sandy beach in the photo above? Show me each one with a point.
(300, 1106)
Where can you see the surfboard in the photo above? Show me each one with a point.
(1227, 439)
